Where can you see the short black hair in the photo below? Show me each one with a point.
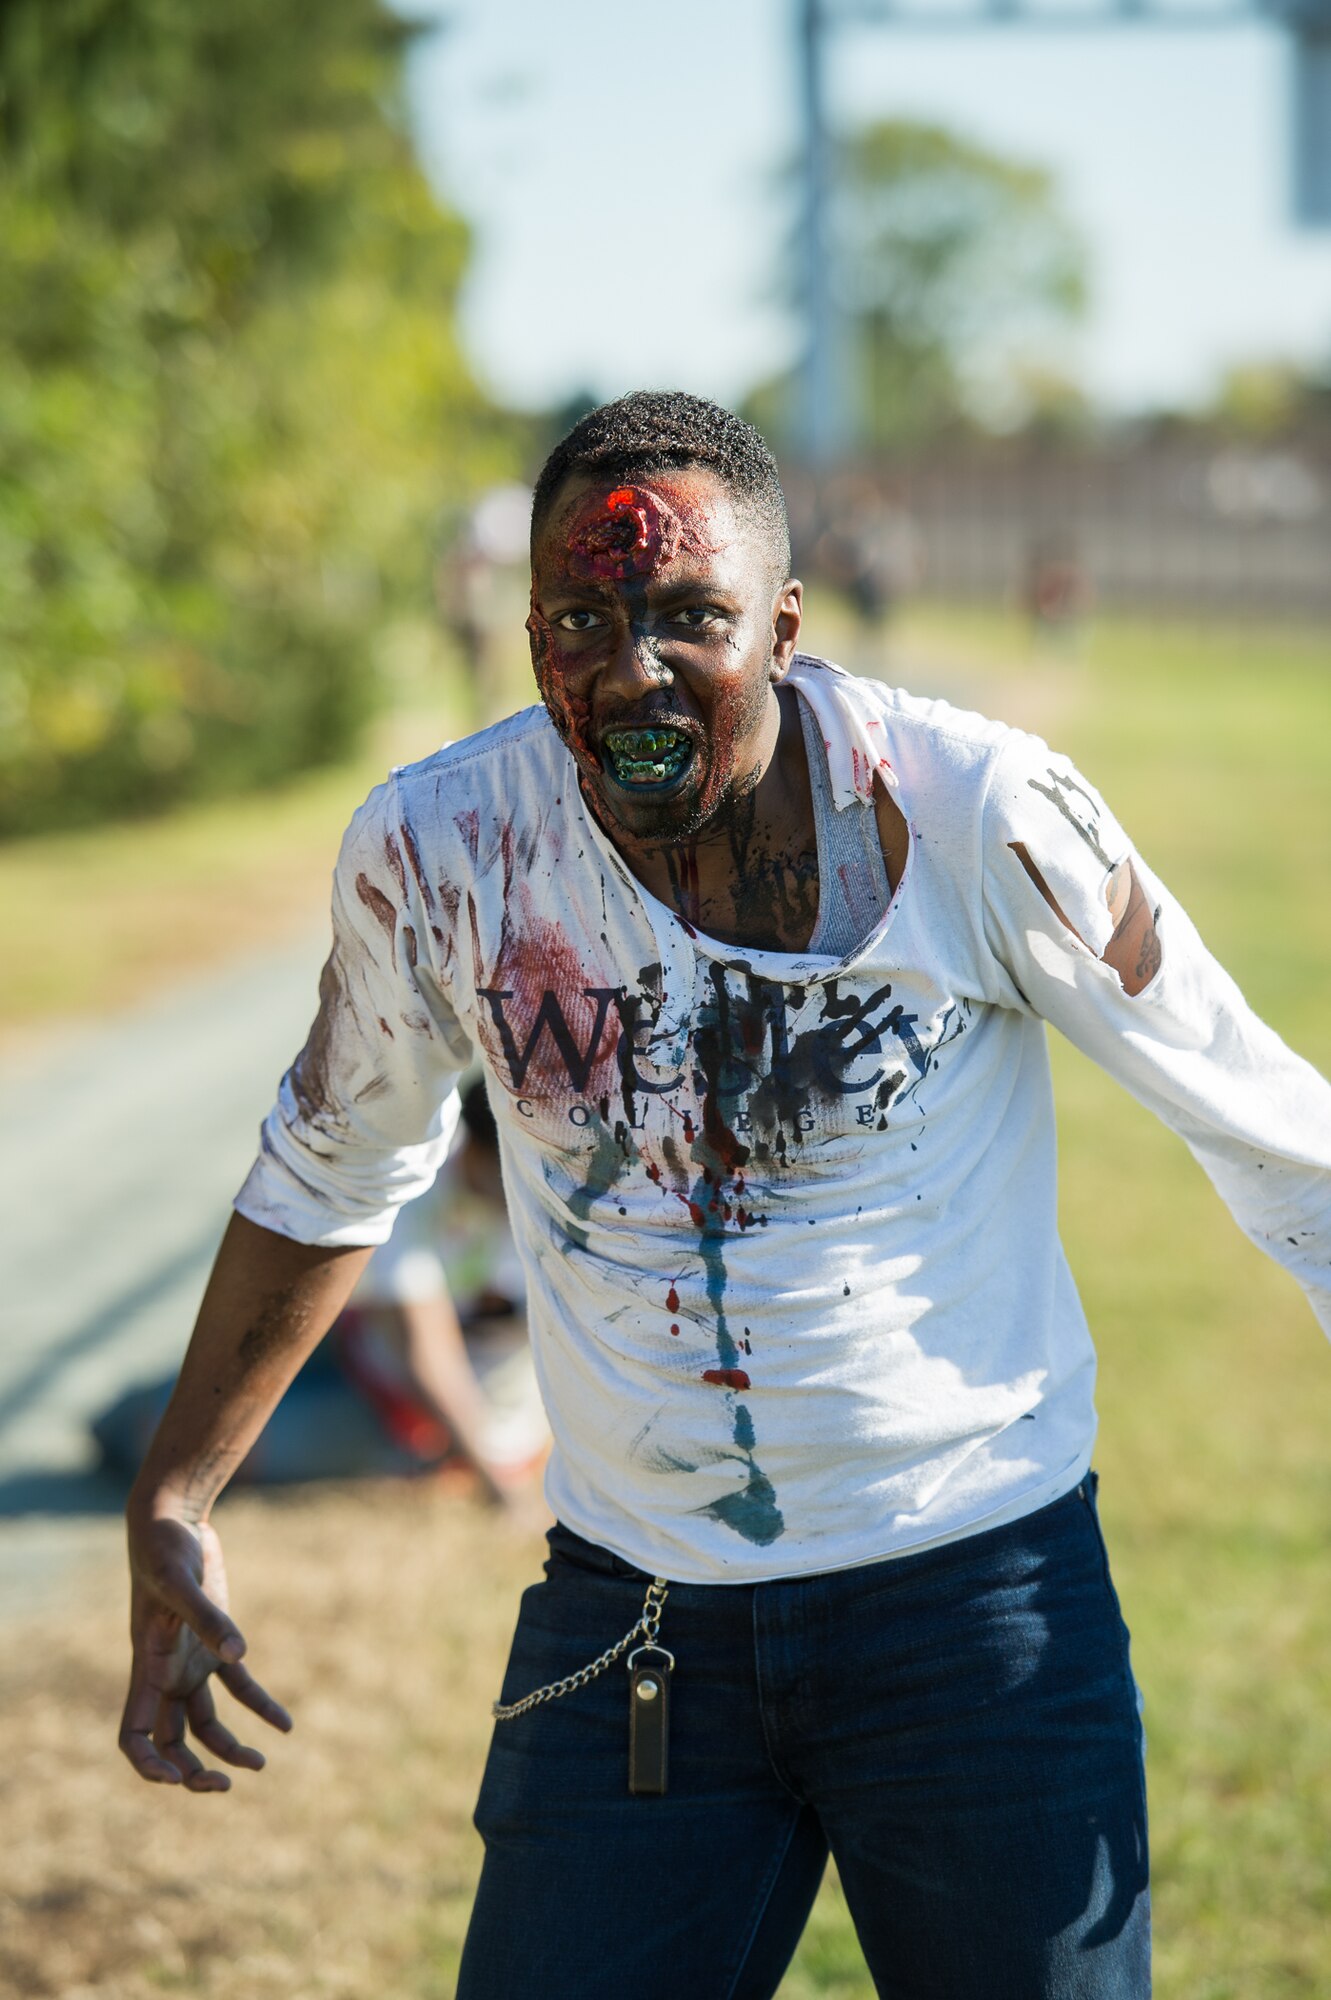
(653, 430)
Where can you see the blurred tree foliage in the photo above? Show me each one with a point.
(1276, 400)
(232, 402)
(955, 266)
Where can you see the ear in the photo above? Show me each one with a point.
(787, 617)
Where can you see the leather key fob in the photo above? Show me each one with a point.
(649, 1721)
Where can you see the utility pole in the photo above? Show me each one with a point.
(824, 400)
(823, 425)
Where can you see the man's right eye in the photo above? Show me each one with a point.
(579, 621)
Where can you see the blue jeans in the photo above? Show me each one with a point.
(958, 1727)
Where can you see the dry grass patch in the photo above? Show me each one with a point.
(382, 1616)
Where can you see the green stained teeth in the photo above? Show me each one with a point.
(642, 742)
(646, 756)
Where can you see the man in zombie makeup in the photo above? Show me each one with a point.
(757, 956)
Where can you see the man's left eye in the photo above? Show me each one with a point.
(699, 617)
(579, 621)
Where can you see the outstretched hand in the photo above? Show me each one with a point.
(182, 1636)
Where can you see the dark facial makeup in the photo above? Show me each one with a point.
(652, 641)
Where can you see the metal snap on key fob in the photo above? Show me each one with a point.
(649, 1720)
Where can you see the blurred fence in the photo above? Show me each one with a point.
(1194, 527)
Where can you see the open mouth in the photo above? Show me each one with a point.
(638, 757)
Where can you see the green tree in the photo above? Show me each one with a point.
(1276, 400)
(232, 401)
(955, 266)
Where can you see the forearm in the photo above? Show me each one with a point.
(441, 1369)
(268, 1302)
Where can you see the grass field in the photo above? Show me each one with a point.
(96, 919)
(383, 1615)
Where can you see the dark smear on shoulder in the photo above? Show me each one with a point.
(380, 908)
(311, 1070)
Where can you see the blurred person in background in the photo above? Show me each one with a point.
(489, 543)
(1057, 594)
(435, 1337)
(758, 958)
(870, 547)
(428, 1369)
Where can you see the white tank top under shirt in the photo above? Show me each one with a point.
(788, 1220)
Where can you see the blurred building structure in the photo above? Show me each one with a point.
(1185, 525)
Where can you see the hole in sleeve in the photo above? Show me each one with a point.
(1133, 951)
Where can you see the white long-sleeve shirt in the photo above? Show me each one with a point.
(796, 1290)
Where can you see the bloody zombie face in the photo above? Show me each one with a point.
(658, 634)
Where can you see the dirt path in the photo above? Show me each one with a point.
(119, 1151)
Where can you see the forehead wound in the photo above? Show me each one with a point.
(627, 532)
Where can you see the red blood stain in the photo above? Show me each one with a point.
(506, 854)
(632, 530)
(378, 906)
(629, 532)
(726, 1378)
(653, 1172)
(688, 1126)
(884, 763)
(393, 856)
(535, 968)
(672, 1300)
(673, 1328)
(414, 857)
(569, 711)
(450, 896)
(468, 824)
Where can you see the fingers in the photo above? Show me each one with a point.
(136, 1734)
(240, 1682)
(215, 1736)
(152, 1731)
(205, 1619)
(169, 1737)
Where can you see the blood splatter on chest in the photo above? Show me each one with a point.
(696, 1124)
(742, 1077)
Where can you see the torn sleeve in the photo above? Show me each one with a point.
(1187, 1045)
(364, 1116)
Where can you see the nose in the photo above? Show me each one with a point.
(634, 668)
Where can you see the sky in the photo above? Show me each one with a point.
(622, 167)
